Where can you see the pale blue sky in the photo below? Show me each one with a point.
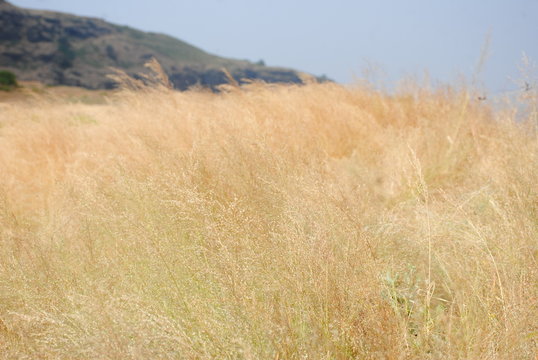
(341, 38)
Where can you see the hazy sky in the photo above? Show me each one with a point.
(341, 38)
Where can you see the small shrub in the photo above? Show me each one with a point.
(66, 54)
(8, 80)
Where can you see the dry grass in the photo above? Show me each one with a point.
(315, 222)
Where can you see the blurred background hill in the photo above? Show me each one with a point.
(62, 49)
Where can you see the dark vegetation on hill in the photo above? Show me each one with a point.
(62, 49)
(8, 80)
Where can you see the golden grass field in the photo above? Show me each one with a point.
(269, 222)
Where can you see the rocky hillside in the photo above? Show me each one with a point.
(62, 49)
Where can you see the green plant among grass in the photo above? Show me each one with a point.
(8, 80)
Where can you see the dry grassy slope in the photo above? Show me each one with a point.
(28, 91)
(63, 49)
(314, 222)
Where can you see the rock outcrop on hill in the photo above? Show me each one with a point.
(62, 49)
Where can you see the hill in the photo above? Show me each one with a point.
(62, 49)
